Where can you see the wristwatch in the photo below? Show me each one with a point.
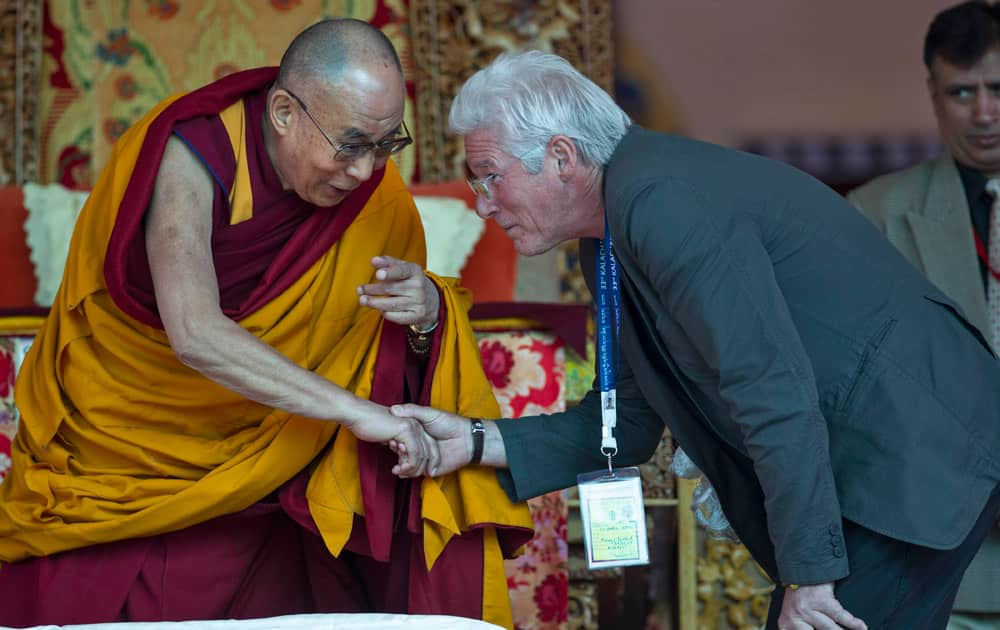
(478, 440)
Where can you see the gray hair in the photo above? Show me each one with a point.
(530, 97)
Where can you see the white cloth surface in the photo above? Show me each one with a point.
(353, 621)
(52, 211)
(451, 231)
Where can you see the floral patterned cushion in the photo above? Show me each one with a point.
(527, 369)
(12, 350)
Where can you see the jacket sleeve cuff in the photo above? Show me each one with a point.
(819, 572)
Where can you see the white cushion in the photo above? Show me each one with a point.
(451, 230)
(52, 211)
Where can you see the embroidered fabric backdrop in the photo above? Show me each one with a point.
(20, 61)
(106, 62)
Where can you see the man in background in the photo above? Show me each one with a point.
(938, 214)
(204, 409)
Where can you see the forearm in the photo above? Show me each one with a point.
(224, 352)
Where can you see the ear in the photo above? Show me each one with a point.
(563, 149)
(280, 111)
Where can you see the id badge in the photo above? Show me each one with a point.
(613, 518)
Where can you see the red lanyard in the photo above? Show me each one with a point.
(981, 250)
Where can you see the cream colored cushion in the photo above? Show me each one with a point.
(451, 230)
(52, 211)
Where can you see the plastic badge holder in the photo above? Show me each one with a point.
(614, 519)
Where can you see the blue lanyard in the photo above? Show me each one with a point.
(608, 308)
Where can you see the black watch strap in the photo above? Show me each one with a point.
(478, 440)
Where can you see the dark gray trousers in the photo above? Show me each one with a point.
(894, 585)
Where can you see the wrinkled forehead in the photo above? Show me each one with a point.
(485, 150)
(360, 95)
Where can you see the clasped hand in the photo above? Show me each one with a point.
(427, 441)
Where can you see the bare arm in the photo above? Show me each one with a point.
(178, 243)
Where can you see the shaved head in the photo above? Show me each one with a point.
(350, 76)
(326, 50)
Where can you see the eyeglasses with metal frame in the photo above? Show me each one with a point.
(481, 186)
(350, 151)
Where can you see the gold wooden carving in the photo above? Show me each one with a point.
(582, 614)
(657, 480)
(572, 287)
(20, 65)
(733, 590)
(454, 38)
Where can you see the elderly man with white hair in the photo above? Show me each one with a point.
(845, 411)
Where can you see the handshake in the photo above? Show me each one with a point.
(434, 442)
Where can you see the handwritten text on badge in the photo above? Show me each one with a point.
(614, 532)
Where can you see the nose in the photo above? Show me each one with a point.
(361, 167)
(986, 106)
(484, 207)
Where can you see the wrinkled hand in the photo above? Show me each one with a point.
(418, 454)
(402, 293)
(815, 606)
(404, 435)
(452, 436)
(430, 448)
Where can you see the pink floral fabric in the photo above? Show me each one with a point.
(12, 350)
(528, 372)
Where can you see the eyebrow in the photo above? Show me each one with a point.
(355, 134)
(959, 86)
(486, 163)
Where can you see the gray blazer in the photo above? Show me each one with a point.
(806, 367)
(924, 213)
